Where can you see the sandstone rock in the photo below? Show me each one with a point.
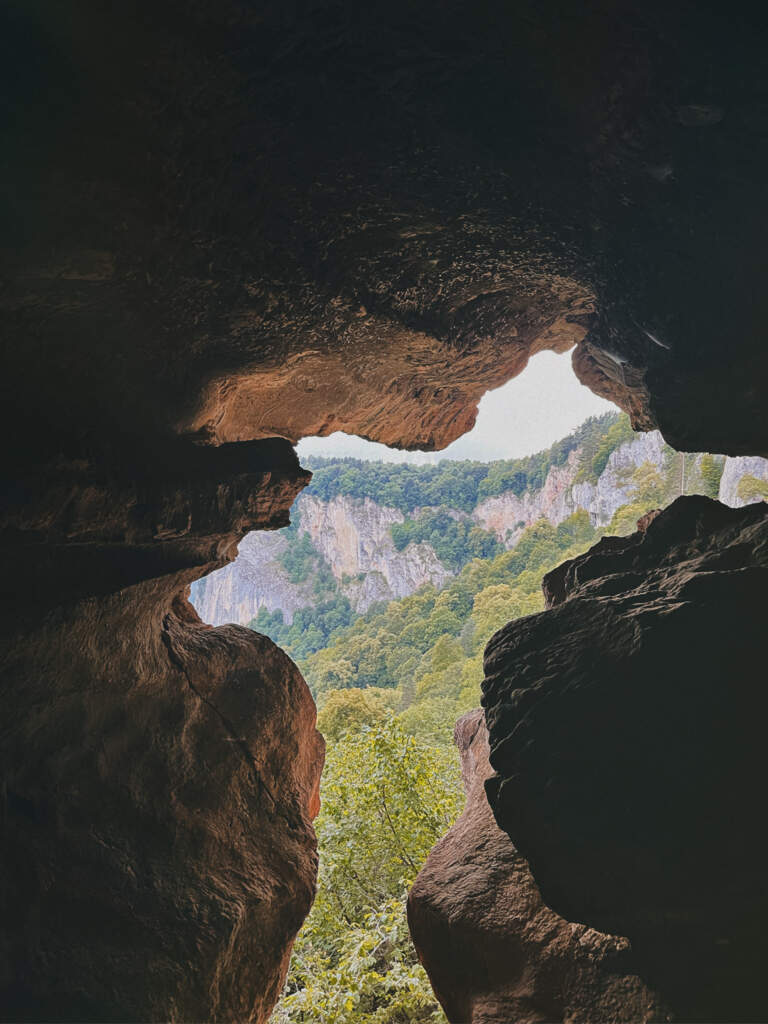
(390, 217)
(237, 220)
(494, 952)
(158, 857)
(626, 735)
(158, 776)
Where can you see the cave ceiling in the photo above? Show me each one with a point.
(235, 220)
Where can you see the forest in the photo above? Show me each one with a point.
(390, 685)
(462, 484)
(389, 689)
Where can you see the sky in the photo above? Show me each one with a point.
(544, 403)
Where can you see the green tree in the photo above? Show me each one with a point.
(751, 488)
(711, 469)
(386, 799)
(348, 710)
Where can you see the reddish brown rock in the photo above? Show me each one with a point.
(626, 734)
(159, 777)
(227, 221)
(493, 950)
(158, 788)
(241, 220)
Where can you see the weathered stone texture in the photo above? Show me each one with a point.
(626, 736)
(494, 952)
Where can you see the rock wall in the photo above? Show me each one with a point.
(354, 538)
(624, 721)
(734, 471)
(159, 777)
(254, 580)
(230, 221)
(508, 515)
(493, 950)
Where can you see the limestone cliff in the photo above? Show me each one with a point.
(255, 579)
(563, 492)
(352, 536)
(734, 472)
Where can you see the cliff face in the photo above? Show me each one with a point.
(734, 472)
(254, 580)
(507, 514)
(353, 537)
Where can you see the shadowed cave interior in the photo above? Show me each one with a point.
(231, 226)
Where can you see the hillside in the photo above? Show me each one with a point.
(365, 533)
(408, 588)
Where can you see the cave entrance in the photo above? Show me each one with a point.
(395, 571)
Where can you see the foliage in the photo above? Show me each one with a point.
(375, 978)
(300, 558)
(386, 800)
(751, 488)
(312, 627)
(460, 485)
(711, 470)
(420, 645)
(455, 542)
(649, 488)
(390, 685)
(596, 450)
(350, 709)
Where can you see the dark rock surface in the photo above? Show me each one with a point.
(159, 777)
(494, 952)
(233, 221)
(242, 219)
(626, 731)
(159, 780)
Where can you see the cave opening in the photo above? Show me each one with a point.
(396, 570)
(232, 225)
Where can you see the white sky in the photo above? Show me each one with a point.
(527, 414)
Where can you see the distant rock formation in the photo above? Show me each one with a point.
(494, 952)
(734, 472)
(353, 538)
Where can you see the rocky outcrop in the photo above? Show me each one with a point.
(613, 487)
(564, 493)
(734, 471)
(159, 777)
(256, 579)
(235, 220)
(493, 950)
(354, 538)
(508, 514)
(260, 255)
(624, 722)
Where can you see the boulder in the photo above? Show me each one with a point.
(626, 736)
(493, 950)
